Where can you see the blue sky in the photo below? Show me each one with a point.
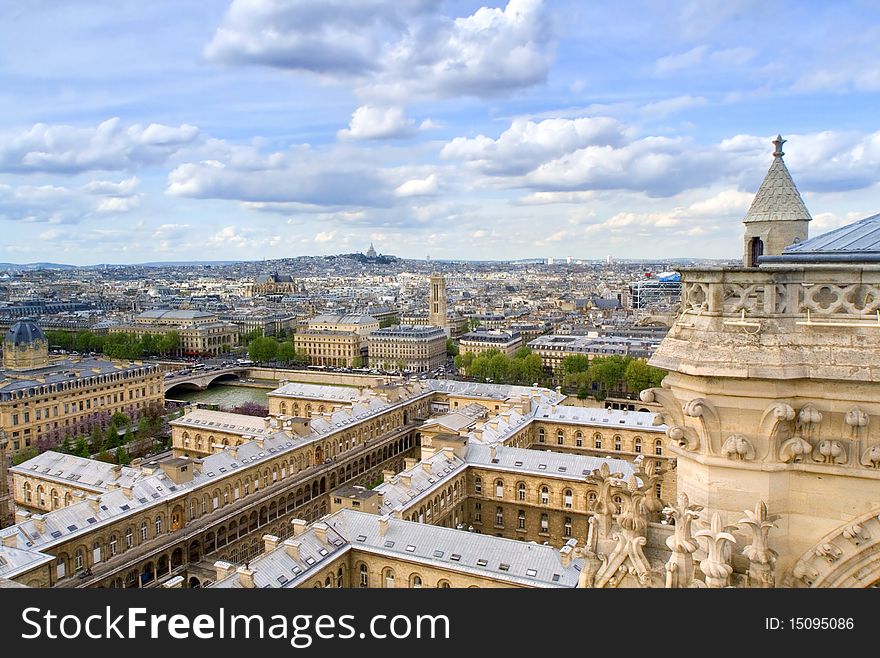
(204, 130)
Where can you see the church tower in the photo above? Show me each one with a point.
(777, 217)
(437, 302)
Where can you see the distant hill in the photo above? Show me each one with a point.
(36, 266)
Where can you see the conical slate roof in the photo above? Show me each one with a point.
(778, 197)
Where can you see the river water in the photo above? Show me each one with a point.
(225, 396)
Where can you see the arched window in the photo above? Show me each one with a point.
(597, 441)
(68, 499)
(28, 492)
(145, 531)
(112, 545)
(560, 437)
(129, 538)
(78, 560)
(444, 584)
(56, 501)
(521, 491)
(478, 512)
(567, 498)
(545, 495)
(499, 488)
(499, 516)
(658, 447)
(618, 443)
(637, 444)
(41, 495)
(545, 524)
(365, 576)
(478, 485)
(415, 581)
(340, 578)
(541, 435)
(579, 439)
(158, 525)
(521, 520)
(96, 552)
(567, 527)
(388, 576)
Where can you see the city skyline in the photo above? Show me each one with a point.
(528, 129)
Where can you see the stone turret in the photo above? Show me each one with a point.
(777, 217)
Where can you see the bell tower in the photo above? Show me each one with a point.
(437, 301)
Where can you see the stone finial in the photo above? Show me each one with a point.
(680, 566)
(761, 557)
(716, 565)
(777, 143)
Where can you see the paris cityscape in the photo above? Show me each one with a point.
(438, 295)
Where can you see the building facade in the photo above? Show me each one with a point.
(201, 333)
(405, 348)
(41, 400)
(479, 341)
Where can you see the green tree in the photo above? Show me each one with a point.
(389, 322)
(122, 456)
(285, 353)
(97, 438)
(24, 455)
(609, 371)
(120, 419)
(451, 347)
(262, 350)
(357, 362)
(301, 358)
(168, 343)
(575, 363)
(81, 448)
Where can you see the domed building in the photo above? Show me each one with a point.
(25, 346)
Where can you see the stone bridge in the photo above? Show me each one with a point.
(202, 379)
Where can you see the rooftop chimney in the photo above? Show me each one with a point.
(406, 479)
(292, 547)
(246, 577)
(223, 569)
(270, 543)
(409, 462)
(492, 448)
(383, 525)
(298, 526)
(387, 474)
(426, 467)
(320, 530)
(39, 522)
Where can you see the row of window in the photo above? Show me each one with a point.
(598, 441)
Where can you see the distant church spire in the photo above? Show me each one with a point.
(777, 217)
(371, 252)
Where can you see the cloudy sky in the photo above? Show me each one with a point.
(136, 131)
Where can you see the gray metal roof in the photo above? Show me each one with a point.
(24, 332)
(856, 242)
(516, 562)
(777, 198)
